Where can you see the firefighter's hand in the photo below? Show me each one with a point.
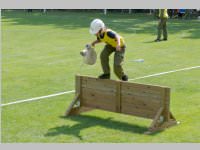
(118, 48)
(92, 44)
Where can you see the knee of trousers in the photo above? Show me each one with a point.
(103, 56)
(118, 70)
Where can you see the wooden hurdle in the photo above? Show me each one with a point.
(148, 101)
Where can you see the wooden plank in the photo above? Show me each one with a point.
(99, 102)
(140, 102)
(143, 90)
(99, 105)
(88, 80)
(106, 85)
(126, 109)
(166, 101)
(77, 97)
(168, 124)
(78, 88)
(127, 85)
(97, 94)
(156, 118)
(163, 126)
(78, 110)
(99, 90)
(98, 99)
(118, 97)
(94, 78)
(143, 93)
(78, 84)
(143, 96)
(137, 111)
(132, 97)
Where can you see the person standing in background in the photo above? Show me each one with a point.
(162, 25)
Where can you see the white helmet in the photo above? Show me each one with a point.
(96, 25)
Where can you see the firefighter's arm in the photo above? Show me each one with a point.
(95, 42)
(118, 48)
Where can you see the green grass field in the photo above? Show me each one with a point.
(40, 56)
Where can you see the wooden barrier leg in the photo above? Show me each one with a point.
(155, 122)
(171, 116)
(76, 110)
(171, 122)
(71, 106)
(161, 123)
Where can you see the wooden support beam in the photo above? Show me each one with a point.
(156, 120)
(72, 104)
(166, 102)
(78, 110)
(118, 97)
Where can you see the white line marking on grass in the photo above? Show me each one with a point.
(72, 91)
(167, 72)
(37, 98)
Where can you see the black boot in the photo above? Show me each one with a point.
(165, 39)
(104, 76)
(157, 40)
(124, 78)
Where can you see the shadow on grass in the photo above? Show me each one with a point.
(86, 121)
(152, 41)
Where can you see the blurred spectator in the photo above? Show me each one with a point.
(181, 13)
(29, 10)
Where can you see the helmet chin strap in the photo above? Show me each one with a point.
(100, 31)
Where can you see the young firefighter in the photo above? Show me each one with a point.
(114, 43)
